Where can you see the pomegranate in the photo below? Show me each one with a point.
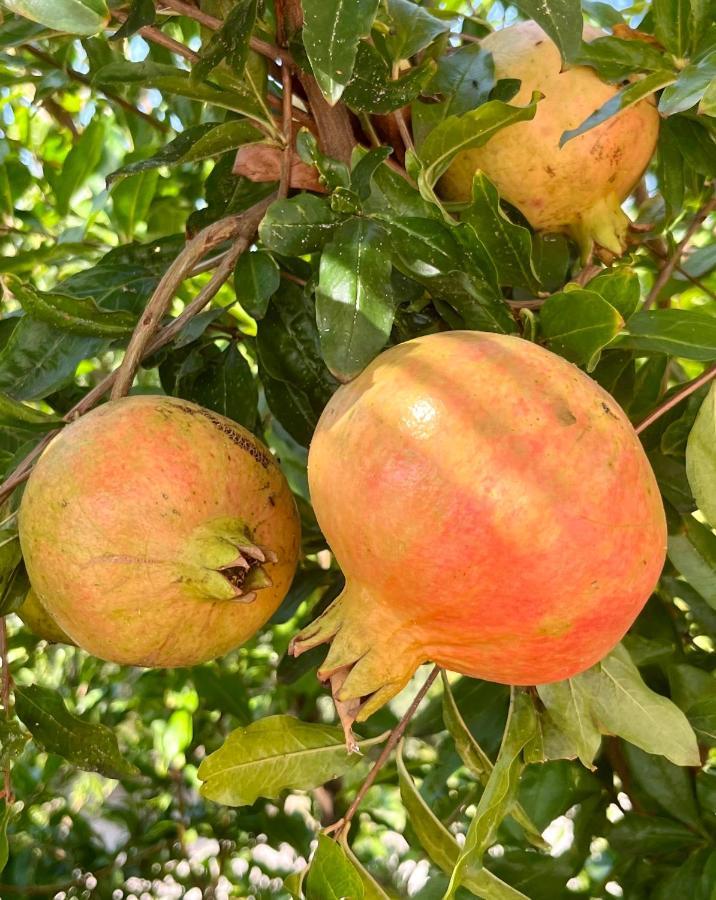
(577, 188)
(158, 533)
(492, 510)
(40, 622)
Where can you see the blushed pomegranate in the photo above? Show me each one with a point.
(158, 533)
(577, 188)
(492, 510)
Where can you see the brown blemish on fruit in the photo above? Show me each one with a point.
(234, 436)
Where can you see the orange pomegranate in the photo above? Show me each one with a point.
(158, 533)
(577, 188)
(492, 510)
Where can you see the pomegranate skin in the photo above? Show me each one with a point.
(143, 526)
(492, 510)
(578, 188)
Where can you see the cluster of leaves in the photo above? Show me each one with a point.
(120, 129)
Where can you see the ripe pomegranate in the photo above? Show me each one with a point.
(158, 533)
(40, 622)
(579, 187)
(492, 510)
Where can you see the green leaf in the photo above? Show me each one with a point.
(10, 556)
(689, 87)
(230, 42)
(272, 755)
(441, 846)
(13, 739)
(334, 174)
(226, 385)
(668, 785)
(78, 315)
(331, 32)
(569, 708)
(501, 787)
(620, 288)
(509, 245)
(561, 19)
(225, 691)
(465, 132)
(650, 835)
(695, 692)
(411, 29)
(331, 875)
(478, 762)
(622, 704)
(373, 90)
(354, 303)
(615, 58)
(701, 457)
(689, 333)
(371, 889)
(256, 278)
(90, 747)
(131, 201)
(692, 550)
(73, 16)
(623, 99)
(672, 21)
(17, 414)
(4, 847)
(463, 81)
(578, 324)
(141, 13)
(79, 163)
(300, 225)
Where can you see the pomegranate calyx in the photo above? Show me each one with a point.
(604, 224)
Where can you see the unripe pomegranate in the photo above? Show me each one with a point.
(158, 533)
(492, 510)
(577, 188)
(35, 617)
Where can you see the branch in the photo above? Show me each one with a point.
(82, 79)
(676, 398)
(241, 227)
(667, 270)
(654, 248)
(164, 337)
(157, 36)
(342, 825)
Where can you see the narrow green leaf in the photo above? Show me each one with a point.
(300, 225)
(73, 16)
(473, 129)
(371, 889)
(4, 847)
(509, 245)
(274, 754)
(478, 762)
(230, 42)
(679, 332)
(701, 457)
(668, 785)
(79, 163)
(561, 19)
(331, 32)
(616, 58)
(626, 97)
(692, 550)
(225, 384)
(17, 414)
(78, 315)
(672, 24)
(256, 278)
(578, 323)
(131, 201)
(354, 303)
(441, 846)
(500, 789)
(90, 747)
(412, 29)
(689, 87)
(331, 875)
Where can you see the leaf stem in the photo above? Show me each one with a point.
(343, 825)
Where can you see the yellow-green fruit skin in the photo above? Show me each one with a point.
(40, 622)
(577, 188)
(131, 524)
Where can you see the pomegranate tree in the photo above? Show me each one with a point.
(158, 533)
(492, 510)
(577, 188)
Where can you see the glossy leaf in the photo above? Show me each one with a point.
(666, 784)
(692, 550)
(273, 754)
(141, 13)
(615, 58)
(88, 746)
(680, 332)
(412, 28)
(73, 16)
(701, 457)
(79, 163)
(373, 90)
(354, 306)
(256, 279)
(331, 32)
(331, 875)
(620, 288)
(300, 225)
(561, 19)
(509, 245)
(577, 324)
(689, 87)
(131, 201)
(625, 98)
(672, 24)
(230, 42)
(12, 412)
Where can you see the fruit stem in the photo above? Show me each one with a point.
(343, 825)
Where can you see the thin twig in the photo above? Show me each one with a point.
(82, 79)
(650, 246)
(676, 398)
(403, 129)
(157, 36)
(395, 735)
(667, 270)
(248, 222)
(6, 687)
